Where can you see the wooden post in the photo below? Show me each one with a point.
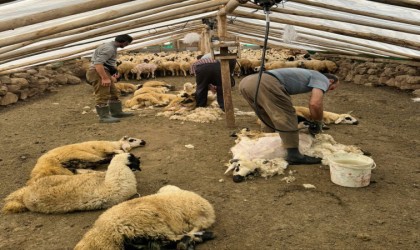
(224, 64)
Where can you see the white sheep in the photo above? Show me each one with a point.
(88, 154)
(147, 68)
(149, 99)
(169, 215)
(328, 117)
(125, 87)
(66, 193)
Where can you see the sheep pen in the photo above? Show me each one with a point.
(254, 214)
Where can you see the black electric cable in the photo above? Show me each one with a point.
(262, 68)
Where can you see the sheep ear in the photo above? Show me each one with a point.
(230, 168)
(350, 112)
(339, 120)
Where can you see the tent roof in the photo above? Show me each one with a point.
(37, 31)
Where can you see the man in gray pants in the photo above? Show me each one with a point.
(275, 107)
(102, 68)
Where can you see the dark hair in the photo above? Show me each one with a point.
(123, 38)
(332, 77)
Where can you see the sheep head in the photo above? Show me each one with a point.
(346, 119)
(241, 169)
(127, 143)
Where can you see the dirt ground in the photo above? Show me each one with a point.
(255, 214)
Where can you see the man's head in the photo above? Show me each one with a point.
(123, 40)
(333, 80)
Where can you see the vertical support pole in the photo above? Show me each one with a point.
(227, 94)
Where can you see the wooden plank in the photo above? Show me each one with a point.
(365, 35)
(318, 39)
(107, 15)
(358, 12)
(47, 15)
(349, 19)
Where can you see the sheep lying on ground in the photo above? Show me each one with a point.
(254, 152)
(149, 99)
(144, 90)
(169, 215)
(157, 84)
(125, 87)
(61, 160)
(66, 193)
(328, 117)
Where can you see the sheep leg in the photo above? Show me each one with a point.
(138, 75)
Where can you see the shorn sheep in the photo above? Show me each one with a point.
(66, 193)
(328, 117)
(61, 160)
(170, 215)
(257, 153)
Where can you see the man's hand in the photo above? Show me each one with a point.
(106, 82)
(315, 127)
(213, 88)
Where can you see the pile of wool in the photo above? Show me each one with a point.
(201, 115)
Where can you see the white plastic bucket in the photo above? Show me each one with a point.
(350, 170)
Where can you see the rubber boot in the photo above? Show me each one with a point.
(116, 109)
(104, 116)
(294, 157)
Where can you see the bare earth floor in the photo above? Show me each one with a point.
(256, 214)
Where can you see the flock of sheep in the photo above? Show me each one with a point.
(135, 65)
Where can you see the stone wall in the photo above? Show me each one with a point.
(37, 80)
(401, 74)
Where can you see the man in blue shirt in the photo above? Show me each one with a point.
(274, 105)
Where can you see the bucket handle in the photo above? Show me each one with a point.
(373, 166)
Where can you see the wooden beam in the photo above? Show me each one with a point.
(107, 15)
(54, 45)
(50, 14)
(358, 12)
(128, 18)
(365, 35)
(403, 3)
(341, 19)
(225, 71)
(309, 36)
(230, 7)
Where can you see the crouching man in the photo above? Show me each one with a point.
(100, 75)
(274, 105)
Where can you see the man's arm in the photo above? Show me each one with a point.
(106, 81)
(316, 104)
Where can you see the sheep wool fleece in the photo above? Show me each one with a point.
(274, 106)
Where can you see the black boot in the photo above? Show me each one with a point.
(115, 107)
(104, 116)
(294, 157)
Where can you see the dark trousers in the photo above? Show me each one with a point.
(206, 74)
